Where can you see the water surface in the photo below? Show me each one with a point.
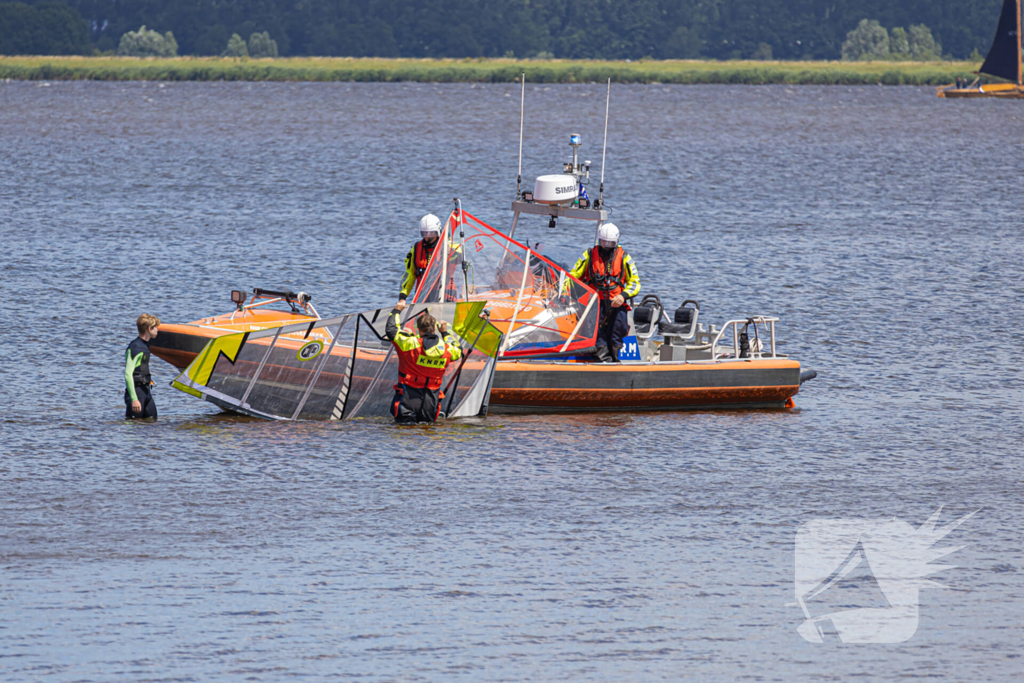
(881, 224)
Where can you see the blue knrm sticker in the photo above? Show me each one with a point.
(630, 350)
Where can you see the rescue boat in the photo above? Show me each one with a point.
(547, 323)
(669, 362)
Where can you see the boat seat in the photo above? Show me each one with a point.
(643, 319)
(646, 316)
(684, 325)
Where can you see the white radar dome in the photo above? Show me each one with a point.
(555, 189)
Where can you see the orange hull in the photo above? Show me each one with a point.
(574, 387)
(179, 344)
(546, 386)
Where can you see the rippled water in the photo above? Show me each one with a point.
(882, 224)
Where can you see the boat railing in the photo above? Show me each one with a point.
(755, 345)
(262, 298)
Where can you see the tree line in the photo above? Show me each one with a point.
(870, 41)
(574, 29)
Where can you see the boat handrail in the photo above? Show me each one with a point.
(768, 321)
(558, 211)
(307, 306)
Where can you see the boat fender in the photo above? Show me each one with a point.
(807, 375)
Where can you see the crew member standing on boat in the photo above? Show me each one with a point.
(138, 393)
(610, 270)
(422, 360)
(418, 258)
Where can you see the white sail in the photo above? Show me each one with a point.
(540, 307)
(337, 368)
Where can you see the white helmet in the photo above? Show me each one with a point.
(608, 235)
(430, 225)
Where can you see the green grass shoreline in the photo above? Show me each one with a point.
(480, 70)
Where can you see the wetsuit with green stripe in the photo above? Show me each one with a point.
(137, 379)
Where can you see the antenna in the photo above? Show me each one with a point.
(522, 104)
(604, 148)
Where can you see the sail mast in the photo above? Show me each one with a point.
(1018, 45)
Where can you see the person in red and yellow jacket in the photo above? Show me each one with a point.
(422, 360)
(418, 258)
(610, 270)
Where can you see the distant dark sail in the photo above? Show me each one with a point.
(1002, 57)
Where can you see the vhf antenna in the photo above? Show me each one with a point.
(604, 148)
(522, 104)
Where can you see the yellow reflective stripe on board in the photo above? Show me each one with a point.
(201, 368)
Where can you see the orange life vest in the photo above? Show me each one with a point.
(421, 258)
(418, 370)
(420, 261)
(608, 283)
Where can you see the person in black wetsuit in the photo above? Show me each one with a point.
(138, 393)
